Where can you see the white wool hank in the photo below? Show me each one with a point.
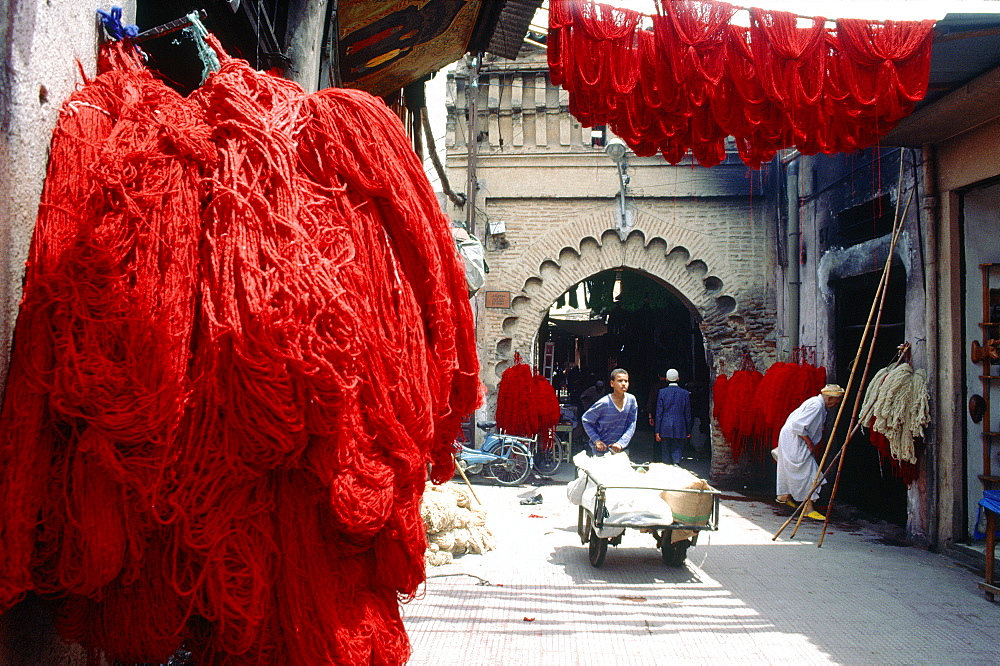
(897, 405)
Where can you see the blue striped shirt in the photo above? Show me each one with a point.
(604, 422)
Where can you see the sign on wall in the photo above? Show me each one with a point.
(498, 299)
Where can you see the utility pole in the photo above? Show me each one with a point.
(472, 141)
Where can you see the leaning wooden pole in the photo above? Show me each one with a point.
(854, 367)
(877, 302)
(466, 479)
(868, 363)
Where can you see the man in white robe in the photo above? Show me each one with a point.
(799, 442)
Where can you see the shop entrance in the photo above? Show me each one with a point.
(622, 318)
(867, 482)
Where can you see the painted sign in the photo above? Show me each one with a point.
(385, 46)
(497, 299)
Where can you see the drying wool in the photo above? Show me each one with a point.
(452, 525)
(98, 382)
(527, 404)
(687, 78)
(740, 426)
(897, 406)
(244, 336)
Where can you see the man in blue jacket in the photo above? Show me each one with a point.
(673, 419)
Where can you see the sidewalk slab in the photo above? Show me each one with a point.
(741, 597)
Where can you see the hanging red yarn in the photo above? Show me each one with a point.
(902, 469)
(527, 404)
(686, 79)
(548, 411)
(784, 387)
(227, 444)
(98, 379)
(739, 422)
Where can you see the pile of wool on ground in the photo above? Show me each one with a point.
(452, 524)
(244, 336)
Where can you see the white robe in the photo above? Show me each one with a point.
(796, 465)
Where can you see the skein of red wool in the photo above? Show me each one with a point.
(273, 516)
(347, 295)
(98, 380)
(719, 397)
(737, 427)
(547, 409)
(515, 395)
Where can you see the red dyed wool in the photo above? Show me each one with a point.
(527, 405)
(98, 380)
(260, 410)
(682, 81)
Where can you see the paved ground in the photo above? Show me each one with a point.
(865, 597)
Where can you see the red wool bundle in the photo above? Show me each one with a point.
(243, 337)
(527, 405)
(687, 78)
(784, 387)
(739, 424)
(902, 469)
(751, 408)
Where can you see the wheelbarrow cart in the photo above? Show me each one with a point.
(694, 510)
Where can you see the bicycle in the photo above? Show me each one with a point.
(548, 458)
(506, 458)
(545, 459)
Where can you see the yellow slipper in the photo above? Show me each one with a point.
(815, 515)
(788, 502)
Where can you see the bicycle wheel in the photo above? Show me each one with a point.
(515, 466)
(547, 461)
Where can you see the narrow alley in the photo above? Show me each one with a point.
(865, 597)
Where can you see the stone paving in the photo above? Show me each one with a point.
(862, 598)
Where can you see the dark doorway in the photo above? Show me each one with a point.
(867, 482)
(647, 329)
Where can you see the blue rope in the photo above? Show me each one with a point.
(113, 24)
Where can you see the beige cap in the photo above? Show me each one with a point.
(832, 390)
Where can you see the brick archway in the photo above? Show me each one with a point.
(685, 265)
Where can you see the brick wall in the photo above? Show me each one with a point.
(701, 233)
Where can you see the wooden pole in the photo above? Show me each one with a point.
(868, 363)
(466, 479)
(897, 227)
(897, 230)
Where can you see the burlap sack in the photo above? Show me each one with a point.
(690, 508)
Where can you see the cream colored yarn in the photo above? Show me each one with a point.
(453, 527)
(897, 406)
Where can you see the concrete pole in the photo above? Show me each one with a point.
(472, 143)
(794, 235)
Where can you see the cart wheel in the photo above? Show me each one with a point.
(674, 554)
(598, 549)
(514, 468)
(583, 525)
